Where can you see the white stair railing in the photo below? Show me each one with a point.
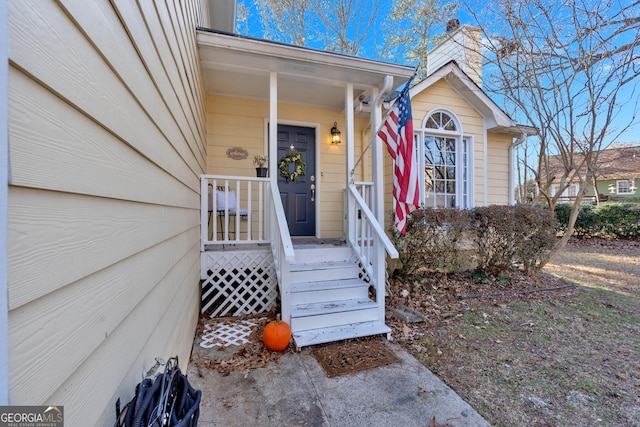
(369, 241)
(282, 247)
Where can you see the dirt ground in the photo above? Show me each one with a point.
(558, 349)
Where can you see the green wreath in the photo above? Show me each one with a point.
(284, 166)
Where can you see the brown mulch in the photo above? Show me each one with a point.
(342, 358)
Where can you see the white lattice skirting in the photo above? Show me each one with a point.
(237, 283)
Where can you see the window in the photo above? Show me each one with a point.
(625, 187)
(444, 158)
(569, 194)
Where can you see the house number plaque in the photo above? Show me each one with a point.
(237, 153)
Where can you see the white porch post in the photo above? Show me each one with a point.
(377, 172)
(379, 261)
(377, 167)
(273, 126)
(350, 151)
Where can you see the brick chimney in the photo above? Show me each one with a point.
(462, 44)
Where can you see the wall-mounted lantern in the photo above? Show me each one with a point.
(335, 134)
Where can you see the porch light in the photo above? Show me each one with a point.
(335, 134)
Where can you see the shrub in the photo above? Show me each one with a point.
(535, 235)
(587, 223)
(620, 220)
(562, 211)
(432, 241)
(505, 235)
(490, 239)
(494, 237)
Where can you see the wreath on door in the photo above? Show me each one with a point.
(285, 161)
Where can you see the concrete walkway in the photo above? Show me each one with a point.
(297, 392)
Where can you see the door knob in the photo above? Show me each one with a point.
(313, 192)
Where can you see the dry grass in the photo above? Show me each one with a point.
(564, 357)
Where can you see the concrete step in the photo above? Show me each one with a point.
(339, 333)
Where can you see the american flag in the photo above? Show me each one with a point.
(397, 133)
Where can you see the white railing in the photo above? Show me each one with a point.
(232, 210)
(368, 239)
(282, 248)
(246, 210)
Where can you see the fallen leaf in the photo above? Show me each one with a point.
(405, 329)
(621, 376)
(498, 342)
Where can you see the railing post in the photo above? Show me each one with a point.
(204, 213)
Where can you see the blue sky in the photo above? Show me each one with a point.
(375, 39)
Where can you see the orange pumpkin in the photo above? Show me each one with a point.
(276, 335)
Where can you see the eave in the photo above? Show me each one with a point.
(240, 66)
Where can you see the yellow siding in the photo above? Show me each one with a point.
(240, 122)
(107, 142)
(498, 169)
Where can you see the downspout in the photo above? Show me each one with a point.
(512, 165)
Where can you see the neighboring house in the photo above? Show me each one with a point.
(131, 129)
(618, 174)
(616, 178)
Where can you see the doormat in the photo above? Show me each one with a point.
(353, 356)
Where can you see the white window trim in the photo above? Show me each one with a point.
(460, 138)
(631, 186)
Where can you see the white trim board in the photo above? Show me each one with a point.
(4, 183)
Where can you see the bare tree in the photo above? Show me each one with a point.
(289, 21)
(413, 27)
(338, 26)
(347, 23)
(569, 68)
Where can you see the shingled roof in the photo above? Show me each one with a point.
(614, 163)
(619, 163)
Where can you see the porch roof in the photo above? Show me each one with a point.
(237, 65)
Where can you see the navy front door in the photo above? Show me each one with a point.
(298, 196)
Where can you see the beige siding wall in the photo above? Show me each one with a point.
(498, 168)
(106, 131)
(240, 122)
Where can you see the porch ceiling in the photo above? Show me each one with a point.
(240, 66)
